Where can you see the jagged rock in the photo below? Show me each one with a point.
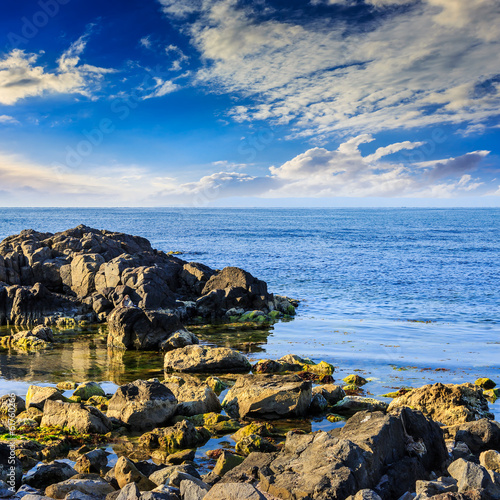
(47, 474)
(332, 393)
(133, 328)
(449, 404)
(194, 399)
(268, 396)
(479, 435)
(201, 359)
(470, 476)
(370, 446)
(195, 276)
(9, 404)
(226, 462)
(193, 489)
(129, 492)
(162, 476)
(84, 419)
(427, 489)
(143, 405)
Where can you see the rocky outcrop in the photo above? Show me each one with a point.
(373, 450)
(202, 359)
(448, 404)
(143, 405)
(268, 396)
(194, 399)
(134, 328)
(85, 273)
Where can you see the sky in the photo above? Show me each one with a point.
(234, 103)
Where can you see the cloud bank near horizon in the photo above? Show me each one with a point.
(316, 173)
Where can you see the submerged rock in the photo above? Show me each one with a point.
(268, 396)
(449, 404)
(143, 405)
(201, 359)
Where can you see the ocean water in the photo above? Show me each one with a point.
(405, 296)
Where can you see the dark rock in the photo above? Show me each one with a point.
(94, 461)
(47, 474)
(480, 435)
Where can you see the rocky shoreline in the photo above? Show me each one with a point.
(438, 441)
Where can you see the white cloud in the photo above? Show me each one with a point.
(20, 77)
(145, 41)
(7, 119)
(161, 88)
(316, 173)
(433, 62)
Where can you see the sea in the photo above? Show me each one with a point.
(401, 296)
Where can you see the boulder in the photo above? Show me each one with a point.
(194, 399)
(234, 491)
(332, 393)
(480, 435)
(470, 476)
(226, 462)
(47, 474)
(163, 475)
(202, 359)
(12, 404)
(268, 396)
(94, 461)
(180, 436)
(129, 492)
(88, 484)
(88, 389)
(84, 419)
(179, 339)
(143, 405)
(193, 489)
(126, 472)
(448, 404)
(490, 460)
(37, 396)
(352, 404)
(133, 328)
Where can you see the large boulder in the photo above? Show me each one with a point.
(143, 405)
(88, 484)
(47, 474)
(480, 435)
(37, 396)
(194, 399)
(448, 404)
(385, 453)
(133, 328)
(202, 359)
(84, 419)
(268, 396)
(126, 472)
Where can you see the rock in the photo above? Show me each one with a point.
(179, 339)
(259, 428)
(252, 443)
(12, 404)
(490, 460)
(88, 484)
(126, 472)
(180, 436)
(7, 456)
(248, 470)
(66, 386)
(480, 435)
(427, 489)
(318, 403)
(163, 476)
(5, 490)
(353, 404)
(226, 462)
(216, 384)
(355, 380)
(193, 490)
(365, 495)
(143, 405)
(201, 359)
(485, 383)
(129, 492)
(195, 276)
(332, 393)
(195, 399)
(133, 328)
(215, 422)
(94, 461)
(37, 396)
(47, 474)
(234, 491)
(470, 476)
(371, 445)
(180, 457)
(449, 404)
(88, 389)
(25, 490)
(84, 419)
(268, 396)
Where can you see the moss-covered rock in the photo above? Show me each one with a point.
(88, 389)
(264, 429)
(226, 462)
(485, 383)
(67, 386)
(215, 423)
(332, 417)
(252, 443)
(216, 384)
(253, 316)
(355, 380)
(322, 368)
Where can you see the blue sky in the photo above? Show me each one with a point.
(263, 103)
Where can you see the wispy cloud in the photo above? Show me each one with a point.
(21, 77)
(7, 119)
(431, 62)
